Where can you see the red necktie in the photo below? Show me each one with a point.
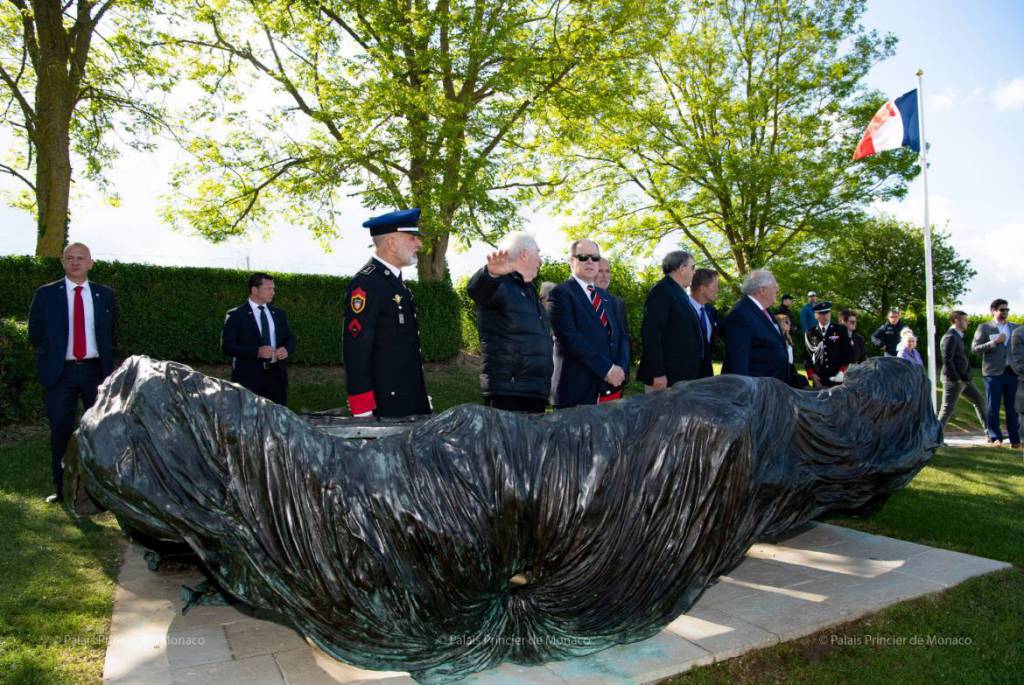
(78, 327)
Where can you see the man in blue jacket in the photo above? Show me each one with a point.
(590, 343)
(71, 323)
(807, 320)
(753, 344)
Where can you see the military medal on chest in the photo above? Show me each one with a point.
(401, 314)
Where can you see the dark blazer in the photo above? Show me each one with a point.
(707, 370)
(753, 345)
(240, 339)
(670, 336)
(587, 352)
(48, 328)
(955, 366)
(618, 305)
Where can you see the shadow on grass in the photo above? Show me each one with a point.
(56, 576)
(971, 503)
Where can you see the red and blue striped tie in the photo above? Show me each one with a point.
(598, 303)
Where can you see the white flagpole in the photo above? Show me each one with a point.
(929, 297)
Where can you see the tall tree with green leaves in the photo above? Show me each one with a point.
(70, 75)
(875, 263)
(408, 102)
(739, 138)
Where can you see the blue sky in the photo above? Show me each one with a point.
(973, 57)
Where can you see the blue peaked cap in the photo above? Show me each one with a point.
(404, 220)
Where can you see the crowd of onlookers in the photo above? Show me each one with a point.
(567, 344)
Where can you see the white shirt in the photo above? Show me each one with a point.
(270, 320)
(394, 269)
(91, 350)
(583, 284)
(1004, 328)
(698, 308)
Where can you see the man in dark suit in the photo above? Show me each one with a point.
(956, 371)
(383, 368)
(590, 343)
(71, 323)
(617, 307)
(704, 291)
(257, 338)
(753, 344)
(671, 335)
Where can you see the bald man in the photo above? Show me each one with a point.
(71, 324)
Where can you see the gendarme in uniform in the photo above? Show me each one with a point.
(383, 369)
(829, 349)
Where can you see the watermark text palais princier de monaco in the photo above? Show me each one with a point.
(868, 640)
(508, 641)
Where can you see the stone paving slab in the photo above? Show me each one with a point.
(821, 576)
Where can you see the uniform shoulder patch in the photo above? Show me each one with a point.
(355, 328)
(357, 301)
(368, 269)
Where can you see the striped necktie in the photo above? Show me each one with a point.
(598, 304)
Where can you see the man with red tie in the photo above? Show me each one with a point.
(71, 324)
(754, 346)
(591, 345)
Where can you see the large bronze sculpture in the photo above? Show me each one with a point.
(397, 553)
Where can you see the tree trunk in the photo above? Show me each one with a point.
(53, 184)
(432, 265)
(55, 98)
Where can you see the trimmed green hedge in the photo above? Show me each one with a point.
(177, 312)
(21, 398)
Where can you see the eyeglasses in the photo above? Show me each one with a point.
(588, 257)
(1004, 309)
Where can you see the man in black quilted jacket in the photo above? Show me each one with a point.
(515, 336)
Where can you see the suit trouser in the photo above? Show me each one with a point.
(270, 384)
(60, 400)
(1002, 389)
(951, 391)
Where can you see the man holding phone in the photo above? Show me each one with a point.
(992, 342)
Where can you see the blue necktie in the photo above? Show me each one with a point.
(704, 324)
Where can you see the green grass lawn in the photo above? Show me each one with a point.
(963, 418)
(969, 500)
(57, 575)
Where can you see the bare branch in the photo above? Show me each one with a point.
(14, 172)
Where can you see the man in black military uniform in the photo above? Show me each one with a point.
(828, 349)
(887, 337)
(383, 369)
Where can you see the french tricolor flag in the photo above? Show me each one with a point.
(894, 125)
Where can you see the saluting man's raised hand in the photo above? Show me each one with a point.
(499, 264)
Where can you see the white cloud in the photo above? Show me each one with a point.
(1009, 95)
(943, 100)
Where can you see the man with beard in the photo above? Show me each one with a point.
(383, 368)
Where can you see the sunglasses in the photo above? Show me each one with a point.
(1004, 309)
(588, 257)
